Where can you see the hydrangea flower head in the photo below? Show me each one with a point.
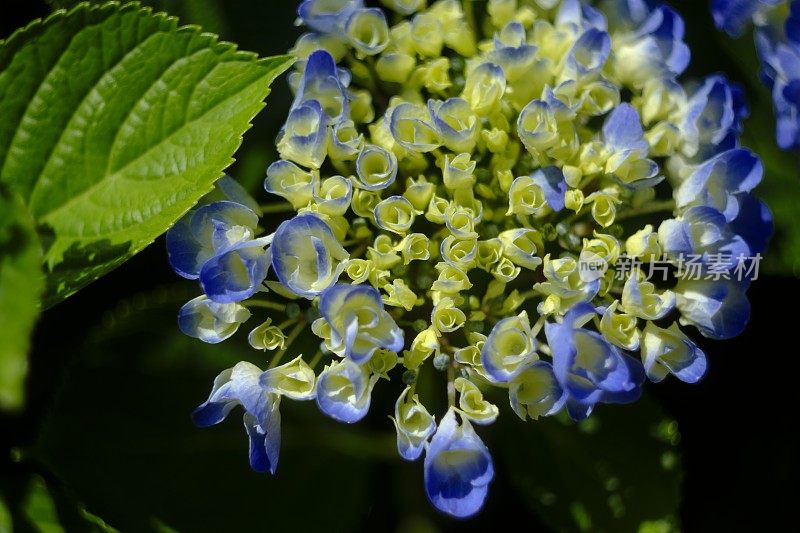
(526, 199)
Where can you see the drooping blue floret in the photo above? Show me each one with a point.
(262, 419)
(458, 468)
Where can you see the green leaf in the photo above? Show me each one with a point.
(115, 122)
(617, 471)
(21, 283)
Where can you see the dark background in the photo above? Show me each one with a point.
(112, 382)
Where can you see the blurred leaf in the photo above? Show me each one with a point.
(39, 508)
(780, 188)
(48, 511)
(21, 284)
(6, 526)
(205, 13)
(115, 122)
(120, 436)
(617, 471)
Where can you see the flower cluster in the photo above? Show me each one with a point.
(451, 177)
(777, 37)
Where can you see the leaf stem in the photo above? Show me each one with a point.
(451, 386)
(654, 207)
(469, 14)
(266, 305)
(281, 207)
(315, 360)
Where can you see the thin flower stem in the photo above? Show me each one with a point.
(276, 208)
(451, 386)
(315, 360)
(469, 14)
(527, 295)
(654, 207)
(289, 341)
(538, 326)
(287, 323)
(545, 349)
(266, 305)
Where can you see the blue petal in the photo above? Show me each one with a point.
(623, 130)
(237, 274)
(291, 244)
(554, 186)
(695, 367)
(227, 188)
(733, 16)
(202, 233)
(265, 438)
(590, 52)
(753, 223)
(186, 255)
(719, 308)
(326, 16)
(322, 82)
(220, 402)
(669, 29)
(716, 182)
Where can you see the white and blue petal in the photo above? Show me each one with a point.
(238, 273)
(295, 380)
(414, 425)
(670, 351)
(718, 182)
(326, 16)
(240, 386)
(208, 231)
(509, 349)
(323, 81)
(210, 321)
(458, 468)
(535, 392)
(306, 256)
(291, 182)
(588, 55)
(718, 308)
(376, 168)
(455, 122)
(367, 31)
(552, 183)
(358, 321)
(344, 391)
(304, 137)
(588, 368)
(712, 118)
